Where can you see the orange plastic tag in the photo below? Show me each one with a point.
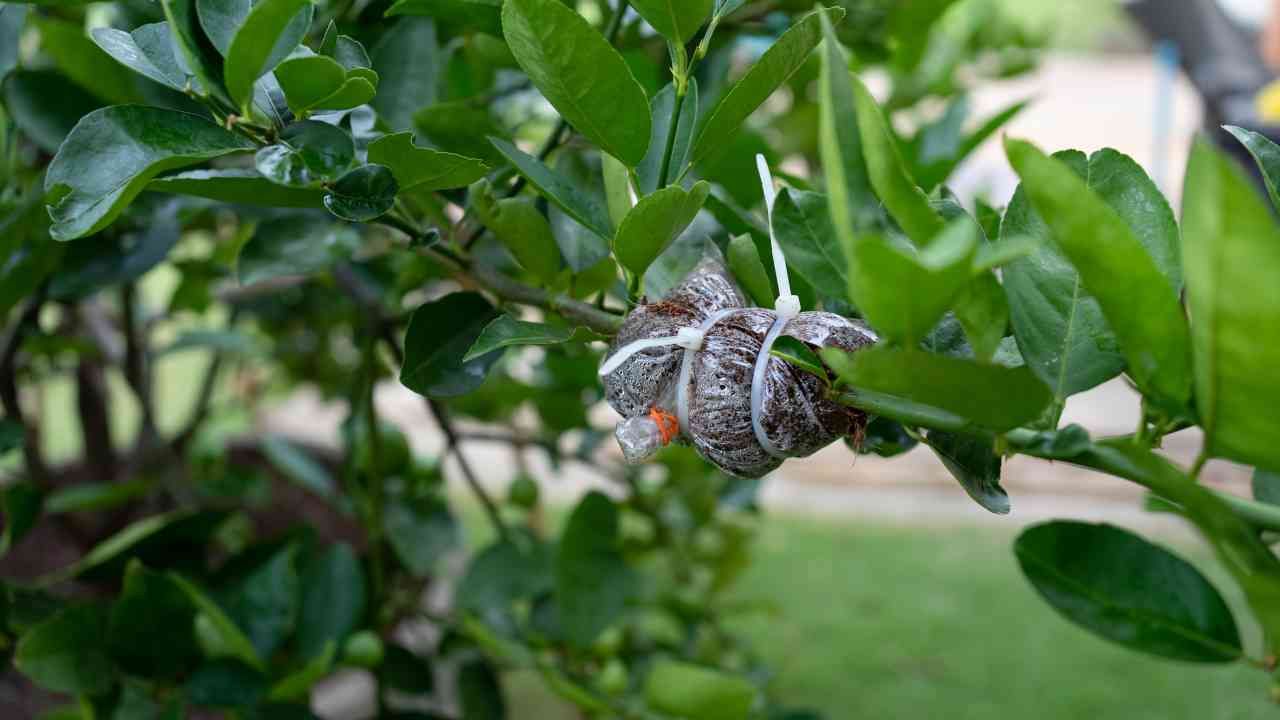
(668, 424)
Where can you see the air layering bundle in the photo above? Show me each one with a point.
(697, 365)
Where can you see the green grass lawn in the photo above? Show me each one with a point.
(893, 622)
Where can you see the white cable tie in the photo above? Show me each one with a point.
(686, 366)
(779, 260)
(626, 351)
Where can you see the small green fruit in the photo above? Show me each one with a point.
(609, 642)
(363, 649)
(613, 678)
(523, 492)
(708, 543)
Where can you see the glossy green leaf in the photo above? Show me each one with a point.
(880, 269)
(144, 142)
(253, 50)
(150, 631)
(1128, 590)
(1231, 254)
(66, 654)
(220, 20)
(90, 496)
(802, 224)
(661, 106)
(990, 396)
(440, 334)
(1138, 300)
(21, 503)
(655, 222)
(840, 144)
(524, 231)
(617, 187)
(748, 270)
(935, 167)
(1267, 156)
(906, 203)
(153, 539)
(592, 580)
(294, 246)
(558, 189)
(242, 187)
(197, 57)
(145, 50)
(972, 460)
(264, 602)
(982, 309)
(480, 15)
(505, 331)
(409, 65)
(84, 62)
(359, 88)
(691, 691)
(778, 63)
(308, 81)
(676, 20)
(420, 531)
(308, 151)
(424, 168)
(362, 194)
(231, 641)
(581, 74)
(333, 599)
(798, 353)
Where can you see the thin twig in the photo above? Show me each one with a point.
(135, 359)
(451, 435)
(36, 468)
(204, 398)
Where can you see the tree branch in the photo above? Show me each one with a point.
(451, 435)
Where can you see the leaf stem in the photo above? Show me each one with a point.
(672, 127)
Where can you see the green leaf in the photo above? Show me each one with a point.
(11, 435)
(420, 531)
(798, 353)
(212, 620)
(506, 572)
(479, 691)
(748, 270)
(307, 81)
(439, 335)
(505, 331)
(84, 62)
(516, 222)
(676, 20)
(424, 168)
(580, 74)
(802, 224)
(478, 15)
(21, 502)
(253, 50)
(1267, 156)
(220, 20)
(296, 465)
(144, 142)
(559, 190)
(45, 105)
(1128, 590)
(308, 151)
(294, 245)
(880, 269)
(154, 539)
(1266, 486)
(65, 653)
(94, 496)
(225, 684)
(1231, 254)
(409, 63)
(934, 168)
(333, 600)
(405, 671)
(990, 396)
(13, 18)
(592, 580)
(661, 106)
(242, 187)
(982, 309)
(906, 203)
(146, 50)
(655, 222)
(690, 691)
(617, 187)
(199, 61)
(972, 460)
(778, 63)
(30, 255)
(265, 601)
(150, 628)
(1138, 300)
(840, 144)
(297, 685)
(362, 194)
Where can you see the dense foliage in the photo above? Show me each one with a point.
(469, 195)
